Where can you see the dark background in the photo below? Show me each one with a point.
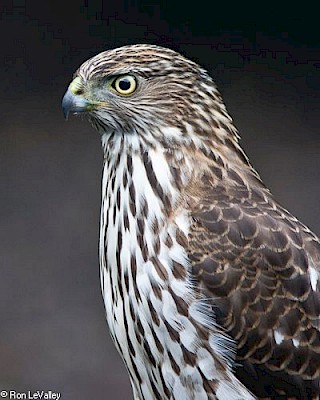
(53, 333)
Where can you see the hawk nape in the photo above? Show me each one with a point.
(211, 288)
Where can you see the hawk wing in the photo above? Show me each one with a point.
(258, 266)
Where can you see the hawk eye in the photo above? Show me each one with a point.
(125, 84)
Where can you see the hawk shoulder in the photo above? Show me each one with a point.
(258, 266)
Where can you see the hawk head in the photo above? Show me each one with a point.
(152, 92)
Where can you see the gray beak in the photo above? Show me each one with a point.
(73, 103)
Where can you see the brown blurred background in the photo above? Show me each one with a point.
(53, 333)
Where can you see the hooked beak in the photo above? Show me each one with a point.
(75, 103)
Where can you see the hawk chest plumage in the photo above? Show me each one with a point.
(154, 313)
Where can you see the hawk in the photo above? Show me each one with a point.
(211, 287)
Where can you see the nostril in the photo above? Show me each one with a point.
(78, 91)
(76, 86)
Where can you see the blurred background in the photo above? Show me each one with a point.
(53, 334)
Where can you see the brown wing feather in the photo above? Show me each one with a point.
(252, 258)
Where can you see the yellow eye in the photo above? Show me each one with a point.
(125, 84)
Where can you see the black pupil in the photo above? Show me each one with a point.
(124, 84)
